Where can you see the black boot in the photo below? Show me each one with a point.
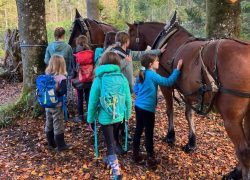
(152, 161)
(61, 145)
(51, 140)
(137, 158)
(119, 150)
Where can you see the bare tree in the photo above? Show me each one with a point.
(223, 18)
(33, 42)
(93, 11)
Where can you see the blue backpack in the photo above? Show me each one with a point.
(112, 100)
(46, 93)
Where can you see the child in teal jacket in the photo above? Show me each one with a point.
(109, 64)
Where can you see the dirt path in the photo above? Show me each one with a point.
(9, 92)
(23, 152)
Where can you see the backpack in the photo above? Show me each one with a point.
(85, 62)
(112, 100)
(46, 93)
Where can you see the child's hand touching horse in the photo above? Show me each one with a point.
(179, 65)
(163, 48)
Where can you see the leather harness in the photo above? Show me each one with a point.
(214, 82)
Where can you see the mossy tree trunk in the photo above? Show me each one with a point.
(93, 11)
(223, 18)
(33, 42)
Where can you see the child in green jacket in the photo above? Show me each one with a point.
(110, 102)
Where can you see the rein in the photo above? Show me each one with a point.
(137, 38)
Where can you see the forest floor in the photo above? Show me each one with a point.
(23, 152)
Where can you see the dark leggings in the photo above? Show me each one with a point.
(108, 133)
(144, 119)
(82, 93)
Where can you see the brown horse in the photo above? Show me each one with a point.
(141, 35)
(216, 69)
(94, 30)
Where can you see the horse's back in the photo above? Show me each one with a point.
(232, 61)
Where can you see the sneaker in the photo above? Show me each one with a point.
(119, 150)
(116, 177)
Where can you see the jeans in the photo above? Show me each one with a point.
(54, 120)
(144, 119)
(108, 133)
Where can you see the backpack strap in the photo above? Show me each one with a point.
(126, 135)
(121, 54)
(96, 139)
(64, 108)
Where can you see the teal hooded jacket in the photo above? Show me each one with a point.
(60, 48)
(95, 110)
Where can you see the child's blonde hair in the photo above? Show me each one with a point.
(56, 65)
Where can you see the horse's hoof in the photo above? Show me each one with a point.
(170, 138)
(189, 149)
(170, 142)
(236, 174)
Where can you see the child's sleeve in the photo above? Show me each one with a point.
(98, 54)
(94, 96)
(62, 90)
(128, 101)
(136, 55)
(169, 81)
(47, 56)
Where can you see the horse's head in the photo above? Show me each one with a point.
(78, 28)
(137, 40)
(142, 34)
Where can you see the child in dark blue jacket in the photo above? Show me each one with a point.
(145, 90)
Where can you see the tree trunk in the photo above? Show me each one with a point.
(223, 18)
(93, 11)
(33, 42)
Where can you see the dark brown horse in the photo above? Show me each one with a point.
(94, 30)
(141, 35)
(218, 69)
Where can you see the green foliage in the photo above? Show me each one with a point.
(245, 20)
(51, 27)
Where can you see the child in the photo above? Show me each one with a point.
(109, 42)
(145, 90)
(61, 48)
(85, 61)
(122, 39)
(54, 127)
(110, 84)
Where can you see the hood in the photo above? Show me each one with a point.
(108, 68)
(58, 46)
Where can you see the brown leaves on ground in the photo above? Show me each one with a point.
(23, 153)
(9, 92)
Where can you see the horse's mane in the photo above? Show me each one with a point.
(153, 22)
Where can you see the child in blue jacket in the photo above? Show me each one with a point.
(145, 90)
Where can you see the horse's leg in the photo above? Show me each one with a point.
(233, 110)
(170, 137)
(191, 145)
(246, 126)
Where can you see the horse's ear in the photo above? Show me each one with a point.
(77, 14)
(130, 25)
